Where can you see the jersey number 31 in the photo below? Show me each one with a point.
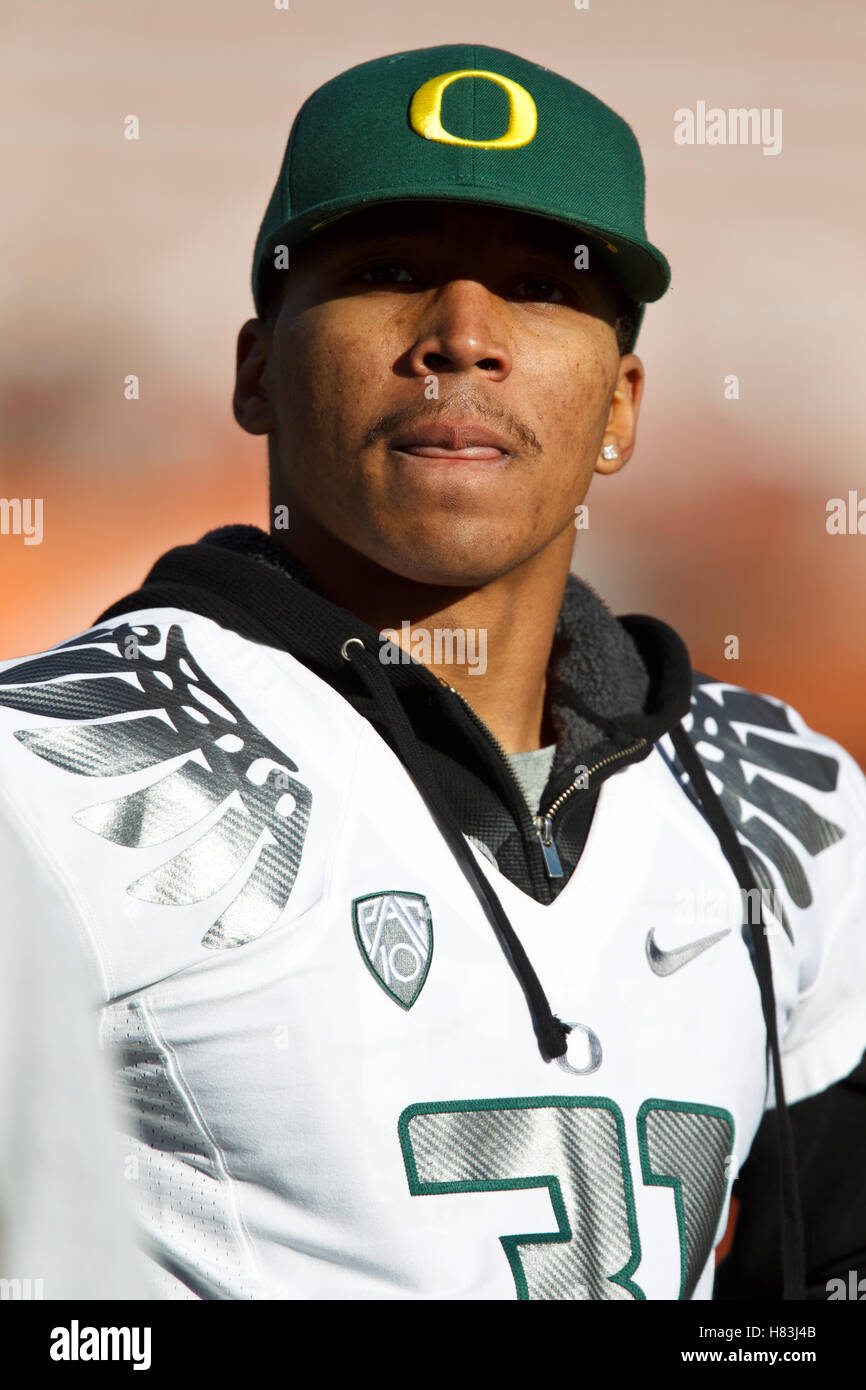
(576, 1148)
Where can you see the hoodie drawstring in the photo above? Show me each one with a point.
(551, 1032)
(792, 1238)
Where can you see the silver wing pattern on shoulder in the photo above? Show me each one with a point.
(723, 751)
(136, 705)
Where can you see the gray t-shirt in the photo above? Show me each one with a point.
(532, 771)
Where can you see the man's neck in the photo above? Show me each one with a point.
(491, 644)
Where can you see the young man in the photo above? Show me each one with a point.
(454, 937)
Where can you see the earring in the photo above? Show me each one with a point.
(610, 452)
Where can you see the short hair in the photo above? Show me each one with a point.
(626, 324)
(270, 295)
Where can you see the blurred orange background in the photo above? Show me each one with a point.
(127, 257)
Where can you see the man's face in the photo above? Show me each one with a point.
(437, 385)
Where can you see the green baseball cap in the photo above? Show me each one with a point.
(474, 124)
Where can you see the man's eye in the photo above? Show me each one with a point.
(537, 288)
(387, 273)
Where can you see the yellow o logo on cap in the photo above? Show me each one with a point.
(425, 113)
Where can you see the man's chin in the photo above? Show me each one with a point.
(462, 567)
(440, 577)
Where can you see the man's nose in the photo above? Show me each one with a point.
(462, 328)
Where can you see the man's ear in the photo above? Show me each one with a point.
(620, 432)
(251, 401)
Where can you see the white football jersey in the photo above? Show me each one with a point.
(333, 1086)
(66, 1219)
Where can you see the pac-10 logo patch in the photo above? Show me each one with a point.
(395, 934)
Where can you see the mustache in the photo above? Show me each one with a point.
(462, 403)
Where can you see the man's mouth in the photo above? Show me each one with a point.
(472, 443)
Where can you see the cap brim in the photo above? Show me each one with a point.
(639, 268)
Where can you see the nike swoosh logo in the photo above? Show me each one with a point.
(666, 962)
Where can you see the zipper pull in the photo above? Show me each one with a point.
(548, 848)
